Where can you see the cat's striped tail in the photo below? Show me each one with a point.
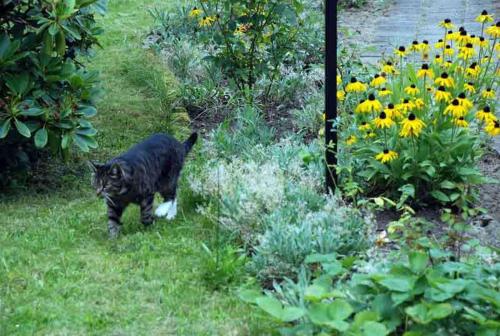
(189, 143)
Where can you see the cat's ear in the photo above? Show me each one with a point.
(115, 171)
(95, 166)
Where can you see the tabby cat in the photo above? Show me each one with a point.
(151, 166)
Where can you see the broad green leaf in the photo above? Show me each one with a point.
(22, 128)
(66, 141)
(372, 328)
(439, 311)
(32, 112)
(439, 195)
(290, 314)
(60, 43)
(87, 110)
(447, 185)
(4, 128)
(41, 138)
(320, 258)
(398, 283)
(340, 309)
(418, 261)
(249, 295)
(271, 306)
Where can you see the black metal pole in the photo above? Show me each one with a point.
(331, 93)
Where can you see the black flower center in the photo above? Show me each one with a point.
(455, 102)
(461, 29)
(386, 151)
(412, 86)
(461, 96)
(376, 76)
(481, 39)
(486, 109)
(405, 101)
(415, 42)
(425, 66)
(463, 33)
(362, 101)
(484, 12)
(194, 8)
(447, 21)
(402, 49)
(438, 56)
(468, 45)
(448, 46)
(444, 75)
(442, 88)
(425, 42)
(497, 125)
(371, 97)
(470, 83)
(488, 89)
(390, 106)
(353, 80)
(383, 89)
(440, 40)
(498, 24)
(383, 115)
(363, 123)
(461, 118)
(389, 63)
(412, 117)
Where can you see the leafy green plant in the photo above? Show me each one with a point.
(421, 120)
(423, 294)
(47, 95)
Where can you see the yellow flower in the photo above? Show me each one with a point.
(364, 126)
(485, 115)
(412, 126)
(377, 80)
(392, 112)
(241, 29)
(439, 44)
(401, 51)
(207, 21)
(369, 135)
(371, 105)
(339, 80)
(469, 87)
(473, 70)
(194, 12)
(424, 46)
(406, 106)
(484, 17)
(445, 80)
(388, 68)
(340, 95)
(460, 122)
(384, 92)
(493, 128)
(482, 42)
(425, 71)
(386, 156)
(442, 95)
(489, 93)
(361, 107)
(485, 59)
(415, 46)
(462, 99)
(446, 23)
(451, 36)
(382, 121)
(455, 109)
(463, 38)
(412, 90)
(467, 51)
(449, 51)
(351, 140)
(355, 86)
(419, 103)
(438, 59)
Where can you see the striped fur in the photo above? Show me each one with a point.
(152, 166)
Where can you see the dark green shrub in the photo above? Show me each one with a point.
(46, 95)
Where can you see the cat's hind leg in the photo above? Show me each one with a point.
(168, 209)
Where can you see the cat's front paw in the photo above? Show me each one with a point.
(163, 209)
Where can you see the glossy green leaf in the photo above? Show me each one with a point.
(22, 128)
(41, 138)
(4, 128)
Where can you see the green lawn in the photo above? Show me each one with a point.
(60, 275)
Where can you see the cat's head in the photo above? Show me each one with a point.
(108, 179)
